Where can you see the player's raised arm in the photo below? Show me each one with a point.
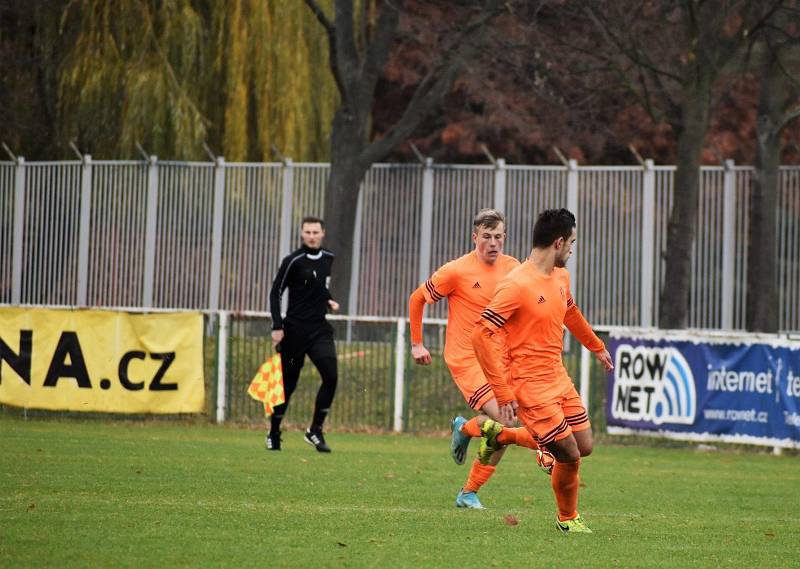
(582, 330)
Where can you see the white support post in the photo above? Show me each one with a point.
(500, 185)
(19, 231)
(83, 230)
(151, 218)
(572, 205)
(728, 244)
(399, 374)
(586, 367)
(222, 366)
(649, 258)
(355, 267)
(216, 233)
(285, 243)
(426, 222)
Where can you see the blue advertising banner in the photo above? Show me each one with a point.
(705, 388)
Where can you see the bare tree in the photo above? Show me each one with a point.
(357, 70)
(674, 57)
(778, 56)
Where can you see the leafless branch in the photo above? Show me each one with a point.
(330, 30)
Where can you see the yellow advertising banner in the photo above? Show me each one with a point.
(92, 360)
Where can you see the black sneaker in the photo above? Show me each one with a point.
(273, 441)
(315, 439)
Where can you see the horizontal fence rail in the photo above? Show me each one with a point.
(210, 236)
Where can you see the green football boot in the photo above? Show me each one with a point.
(576, 525)
(490, 429)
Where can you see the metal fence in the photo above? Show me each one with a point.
(380, 387)
(210, 236)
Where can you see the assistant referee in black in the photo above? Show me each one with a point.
(306, 273)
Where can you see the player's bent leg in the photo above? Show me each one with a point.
(585, 441)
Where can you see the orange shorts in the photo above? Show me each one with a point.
(473, 386)
(557, 417)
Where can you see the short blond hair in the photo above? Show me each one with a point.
(488, 218)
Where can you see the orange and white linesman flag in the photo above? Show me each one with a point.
(267, 385)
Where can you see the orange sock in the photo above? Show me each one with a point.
(565, 486)
(519, 436)
(471, 428)
(479, 474)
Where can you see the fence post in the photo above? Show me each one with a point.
(216, 233)
(399, 374)
(284, 245)
(500, 185)
(83, 230)
(19, 231)
(728, 244)
(426, 222)
(572, 205)
(648, 259)
(355, 268)
(222, 366)
(586, 366)
(151, 217)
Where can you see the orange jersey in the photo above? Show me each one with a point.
(468, 283)
(532, 308)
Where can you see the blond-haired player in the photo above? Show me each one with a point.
(468, 284)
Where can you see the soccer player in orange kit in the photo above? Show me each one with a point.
(468, 283)
(526, 317)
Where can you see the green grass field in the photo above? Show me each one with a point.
(155, 494)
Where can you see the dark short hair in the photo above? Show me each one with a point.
(312, 219)
(552, 224)
(488, 218)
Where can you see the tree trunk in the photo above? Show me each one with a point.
(674, 307)
(341, 200)
(762, 254)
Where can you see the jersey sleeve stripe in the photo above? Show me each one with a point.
(496, 315)
(480, 392)
(432, 291)
(570, 303)
(493, 318)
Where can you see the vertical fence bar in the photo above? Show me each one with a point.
(286, 209)
(355, 268)
(728, 244)
(426, 222)
(500, 185)
(216, 233)
(222, 366)
(151, 217)
(572, 205)
(83, 229)
(19, 231)
(649, 257)
(586, 365)
(399, 374)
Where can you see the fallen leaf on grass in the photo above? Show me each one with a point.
(511, 520)
(340, 544)
(31, 507)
